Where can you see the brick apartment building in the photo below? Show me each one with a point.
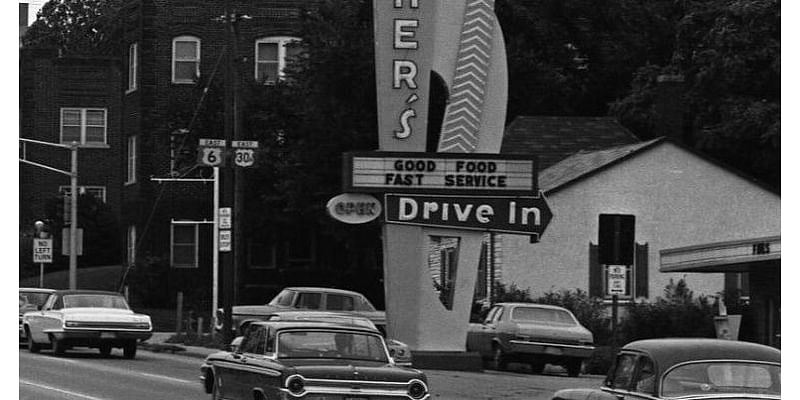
(150, 92)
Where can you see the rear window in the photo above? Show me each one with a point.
(542, 315)
(32, 299)
(95, 300)
(716, 377)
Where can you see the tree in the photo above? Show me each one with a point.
(82, 27)
(729, 54)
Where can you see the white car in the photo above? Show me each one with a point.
(30, 299)
(86, 318)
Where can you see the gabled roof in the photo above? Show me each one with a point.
(553, 139)
(585, 162)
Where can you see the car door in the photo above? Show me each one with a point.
(230, 371)
(40, 320)
(480, 340)
(257, 371)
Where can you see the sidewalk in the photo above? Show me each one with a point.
(158, 344)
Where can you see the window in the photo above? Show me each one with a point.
(131, 167)
(337, 302)
(131, 245)
(184, 238)
(310, 301)
(133, 66)
(645, 378)
(623, 371)
(271, 55)
(185, 59)
(86, 126)
(98, 192)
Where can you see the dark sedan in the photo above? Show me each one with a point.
(696, 369)
(310, 360)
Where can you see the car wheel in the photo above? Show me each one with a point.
(33, 347)
(105, 350)
(58, 346)
(537, 367)
(129, 350)
(499, 358)
(574, 367)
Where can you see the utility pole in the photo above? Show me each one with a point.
(227, 259)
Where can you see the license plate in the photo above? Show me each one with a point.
(553, 351)
(355, 398)
(107, 335)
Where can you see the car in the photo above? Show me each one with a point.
(534, 334)
(30, 299)
(86, 318)
(399, 351)
(688, 368)
(288, 359)
(307, 298)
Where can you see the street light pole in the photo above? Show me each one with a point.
(227, 259)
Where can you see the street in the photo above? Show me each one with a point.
(83, 374)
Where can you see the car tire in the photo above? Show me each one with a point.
(33, 347)
(499, 358)
(129, 350)
(574, 367)
(58, 346)
(537, 367)
(105, 350)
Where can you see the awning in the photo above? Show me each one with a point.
(733, 256)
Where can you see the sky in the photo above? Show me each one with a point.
(33, 8)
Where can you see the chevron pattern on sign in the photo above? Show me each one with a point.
(462, 119)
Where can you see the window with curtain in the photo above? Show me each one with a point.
(185, 59)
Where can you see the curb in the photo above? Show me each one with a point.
(175, 349)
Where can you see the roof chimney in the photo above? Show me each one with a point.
(669, 107)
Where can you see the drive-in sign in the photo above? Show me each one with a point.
(507, 214)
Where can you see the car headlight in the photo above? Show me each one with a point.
(417, 389)
(296, 385)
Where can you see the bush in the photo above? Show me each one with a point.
(677, 314)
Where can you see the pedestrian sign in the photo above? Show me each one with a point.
(42, 250)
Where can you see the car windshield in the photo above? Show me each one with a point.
(95, 300)
(542, 315)
(32, 299)
(703, 378)
(331, 344)
(283, 298)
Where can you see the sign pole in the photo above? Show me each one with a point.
(73, 225)
(41, 275)
(215, 252)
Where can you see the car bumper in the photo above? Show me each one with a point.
(97, 335)
(551, 349)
